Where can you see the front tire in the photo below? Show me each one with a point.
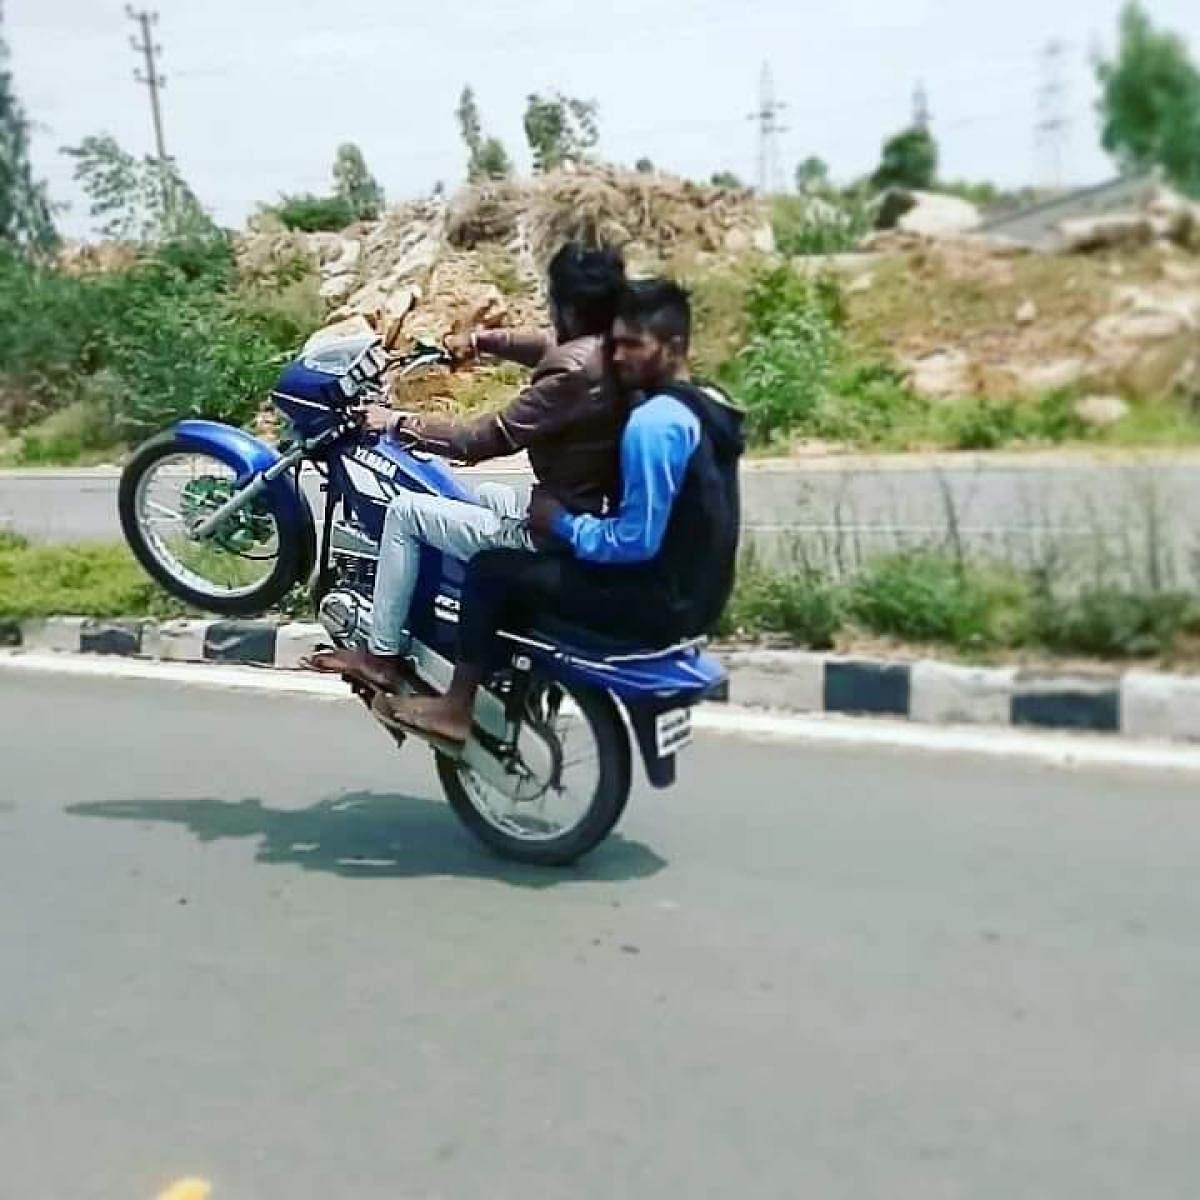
(602, 721)
(256, 581)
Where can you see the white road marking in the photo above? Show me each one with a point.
(1052, 748)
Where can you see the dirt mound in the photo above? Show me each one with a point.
(968, 316)
(431, 267)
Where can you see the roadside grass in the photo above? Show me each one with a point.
(904, 602)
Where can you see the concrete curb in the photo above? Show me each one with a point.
(1135, 703)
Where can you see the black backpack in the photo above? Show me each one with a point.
(698, 561)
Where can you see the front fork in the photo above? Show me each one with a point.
(239, 500)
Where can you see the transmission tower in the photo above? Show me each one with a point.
(767, 118)
(155, 81)
(1053, 124)
(921, 117)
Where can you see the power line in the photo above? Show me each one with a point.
(1053, 124)
(155, 81)
(921, 117)
(767, 117)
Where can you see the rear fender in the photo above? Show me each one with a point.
(645, 689)
(248, 456)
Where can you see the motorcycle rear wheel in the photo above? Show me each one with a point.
(520, 830)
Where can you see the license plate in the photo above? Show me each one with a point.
(673, 731)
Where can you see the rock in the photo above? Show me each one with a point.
(324, 246)
(1081, 235)
(935, 215)
(764, 238)
(394, 313)
(863, 283)
(336, 288)
(738, 241)
(368, 301)
(940, 375)
(1173, 217)
(349, 253)
(1027, 313)
(1099, 412)
(1179, 271)
(1051, 376)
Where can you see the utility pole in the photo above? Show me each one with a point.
(767, 118)
(1053, 125)
(155, 81)
(921, 118)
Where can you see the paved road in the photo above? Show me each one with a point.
(242, 940)
(837, 510)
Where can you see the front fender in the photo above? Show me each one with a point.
(248, 456)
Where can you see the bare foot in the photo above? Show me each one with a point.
(428, 715)
(382, 671)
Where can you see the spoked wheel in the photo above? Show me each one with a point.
(554, 821)
(247, 564)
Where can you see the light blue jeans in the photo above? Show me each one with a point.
(456, 528)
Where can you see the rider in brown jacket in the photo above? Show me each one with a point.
(569, 420)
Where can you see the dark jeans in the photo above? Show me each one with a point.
(508, 589)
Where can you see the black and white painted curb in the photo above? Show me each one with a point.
(1138, 704)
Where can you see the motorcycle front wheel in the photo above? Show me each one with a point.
(556, 822)
(247, 565)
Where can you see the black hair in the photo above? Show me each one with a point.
(588, 282)
(657, 306)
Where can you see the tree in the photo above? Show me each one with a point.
(560, 129)
(812, 175)
(909, 160)
(486, 156)
(354, 184)
(132, 199)
(644, 166)
(25, 217)
(1150, 102)
(726, 179)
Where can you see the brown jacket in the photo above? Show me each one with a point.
(567, 419)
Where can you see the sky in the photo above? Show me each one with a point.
(261, 92)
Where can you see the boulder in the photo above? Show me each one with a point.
(1173, 217)
(336, 288)
(1051, 375)
(395, 312)
(1099, 412)
(935, 215)
(1026, 313)
(941, 375)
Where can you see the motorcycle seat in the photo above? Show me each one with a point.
(587, 643)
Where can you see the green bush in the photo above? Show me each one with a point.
(803, 606)
(983, 423)
(1108, 622)
(929, 597)
(311, 214)
(794, 373)
(782, 373)
(133, 350)
(84, 429)
(870, 404)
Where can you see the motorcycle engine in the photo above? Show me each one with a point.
(345, 611)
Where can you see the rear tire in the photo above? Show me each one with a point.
(293, 560)
(608, 799)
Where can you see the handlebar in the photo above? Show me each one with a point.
(422, 354)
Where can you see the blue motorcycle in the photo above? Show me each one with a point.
(220, 520)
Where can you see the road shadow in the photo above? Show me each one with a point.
(369, 835)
